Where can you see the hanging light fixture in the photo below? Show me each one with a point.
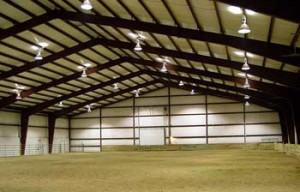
(137, 92)
(60, 104)
(247, 97)
(164, 68)
(89, 107)
(84, 67)
(86, 5)
(245, 66)
(244, 28)
(115, 85)
(247, 104)
(246, 84)
(18, 90)
(138, 46)
(192, 92)
(181, 83)
(39, 55)
(84, 72)
(39, 49)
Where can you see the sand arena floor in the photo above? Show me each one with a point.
(165, 171)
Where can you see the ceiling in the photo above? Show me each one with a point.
(198, 37)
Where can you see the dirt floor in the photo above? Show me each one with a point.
(166, 171)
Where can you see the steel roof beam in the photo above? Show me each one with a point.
(74, 107)
(12, 98)
(270, 50)
(44, 105)
(221, 94)
(48, 59)
(288, 10)
(287, 78)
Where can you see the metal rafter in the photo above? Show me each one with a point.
(72, 108)
(10, 99)
(288, 10)
(271, 50)
(288, 78)
(46, 104)
(220, 93)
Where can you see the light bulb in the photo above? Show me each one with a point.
(86, 5)
(138, 45)
(244, 28)
(245, 66)
(181, 83)
(39, 56)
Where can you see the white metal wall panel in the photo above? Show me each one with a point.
(263, 129)
(85, 133)
(117, 112)
(223, 108)
(188, 120)
(118, 142)
(187, 100)
(226, 130)
(9, 117)
(161, 92)
(225, 118)
(254, 107)
(93, 113)
(85, 142)
(151, 111)
(117, 122)
(37, 141)
(125, 103)
(214, 99)
(61, 136)
(188, 131)
(262, 117)
(36, 120)
(154, 136)
(179, 92)
(151, 121)
(34, 132)
(259, 139)
(9, 131)
(9, 141)
(151, 101)
(117, 133)
(188, 109)
(61, 122)
(85, 123)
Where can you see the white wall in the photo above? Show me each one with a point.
(9, 134)
(194, 119)
(37, 134)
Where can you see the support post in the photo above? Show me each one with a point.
(69, 132)
(296, 114)
(24, 128)
(51, 128)
(133, 120)
(283, 124)
(206, 118)
(169, 115)
(290, 123)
